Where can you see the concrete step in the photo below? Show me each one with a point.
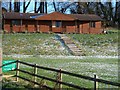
(71, 45)
(68, 41)
(79, 54)
(76, 50)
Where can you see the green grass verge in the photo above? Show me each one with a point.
(96, 40)
(97, 44)
(32, 44)
(45, 44)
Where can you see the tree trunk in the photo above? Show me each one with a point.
(54, 6)
(45, 6)
(10, 6)
(115, 18)
(35, 8)
(25, 6)
(118, 15)
(16, 6)
(79, 8)
(42, 7)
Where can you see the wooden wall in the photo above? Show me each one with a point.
(85, 28)
(46, 26)
(57, 29)
(7, 26)
(31, 26)
(97, 29)
(69, 27)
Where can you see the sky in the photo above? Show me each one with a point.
(30, 8)
(50, 7)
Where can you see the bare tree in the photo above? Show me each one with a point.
(25, 6)
(116, 18)
(10, 6)
(45, 6)
(62, 6)
(35, 8)
(16, 6)
(54, 5)
(118, 13)
(42, 7)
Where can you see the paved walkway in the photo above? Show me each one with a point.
(71, 45)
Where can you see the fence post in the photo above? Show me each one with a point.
(60, 80)
(17, 71)
(95, 82)
(35, 72)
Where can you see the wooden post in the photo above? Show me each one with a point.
(95, 82)
(17, 71)
(60, 79)
(76, 31)
(37, 27)
(35, 72)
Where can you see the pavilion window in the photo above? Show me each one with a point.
(16, 22)
(92, 24)
(56, 24)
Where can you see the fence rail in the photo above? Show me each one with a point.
(60, 72)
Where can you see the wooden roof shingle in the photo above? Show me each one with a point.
(52, 16)
(86, 17)
(56, 16)
(15, 15)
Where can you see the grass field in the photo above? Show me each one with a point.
(101, 44)
(44, 44)
(104, 68)
(32, 44)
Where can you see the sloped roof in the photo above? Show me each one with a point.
(56, 16)
(15, 15)
(52, 16)
(61, 16)
(86, 17)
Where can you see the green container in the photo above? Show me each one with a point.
(8, 67)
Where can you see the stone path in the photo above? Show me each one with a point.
(71, 45)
